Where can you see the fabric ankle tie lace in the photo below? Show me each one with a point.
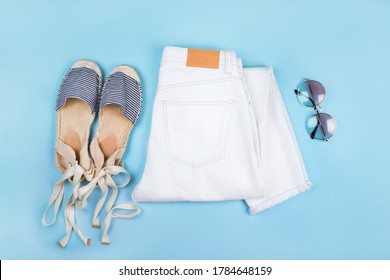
(74, 174)
(105, 181)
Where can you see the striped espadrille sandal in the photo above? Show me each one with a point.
(76, 107)
(120, 107)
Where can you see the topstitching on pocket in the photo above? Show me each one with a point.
(197, 131)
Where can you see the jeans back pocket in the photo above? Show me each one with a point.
(197, 132)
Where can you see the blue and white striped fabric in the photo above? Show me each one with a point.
(82, 83)
(124, 91)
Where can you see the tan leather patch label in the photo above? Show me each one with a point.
(203, 58)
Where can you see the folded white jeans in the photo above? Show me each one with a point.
(219, 132)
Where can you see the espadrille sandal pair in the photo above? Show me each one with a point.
(119, 103)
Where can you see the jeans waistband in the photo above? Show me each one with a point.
(227, 59)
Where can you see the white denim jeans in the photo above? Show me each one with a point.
(220, 133)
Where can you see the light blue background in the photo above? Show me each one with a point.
(344, 44)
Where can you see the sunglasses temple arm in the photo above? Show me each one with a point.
(318, 125)
(313, 133)
(297, 92)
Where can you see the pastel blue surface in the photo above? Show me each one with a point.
(343, 44)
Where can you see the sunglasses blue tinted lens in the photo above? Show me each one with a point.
(321, 126)
(310, 93)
